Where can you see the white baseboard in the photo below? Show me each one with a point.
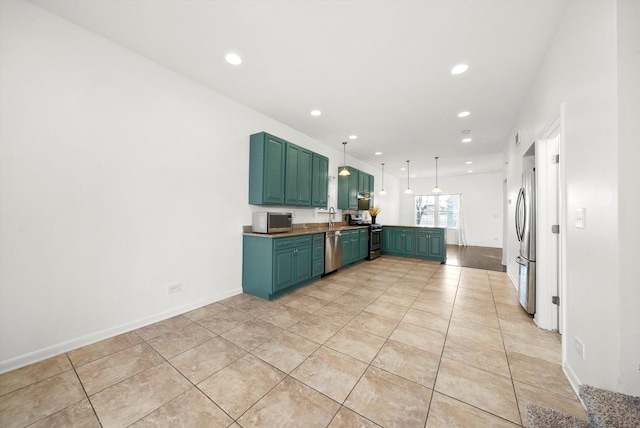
(514, 281)
(79, 342)
(573, 381)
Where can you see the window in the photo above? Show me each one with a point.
(438, 211)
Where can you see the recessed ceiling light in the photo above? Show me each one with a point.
(316, 112)
(377, 153)
(468, 162)
(463, 114)
(353, 137)
(466, 140)
(459, 69)
(470, 170)
(233, 58)
(403, 169)
(413, 176)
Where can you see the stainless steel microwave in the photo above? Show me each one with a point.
(268, 222)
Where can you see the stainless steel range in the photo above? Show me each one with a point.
(375, 241)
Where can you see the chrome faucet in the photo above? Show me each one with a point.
(332, 216)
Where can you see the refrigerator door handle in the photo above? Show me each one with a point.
(520, 261)
(519, 225)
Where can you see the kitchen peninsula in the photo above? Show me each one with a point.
(276, 264)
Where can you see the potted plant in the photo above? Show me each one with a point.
(374, 213)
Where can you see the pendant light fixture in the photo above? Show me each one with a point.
(436, 189)
(345, 172)
(382, 191)
(408, 191)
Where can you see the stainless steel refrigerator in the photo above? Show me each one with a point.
(526, 231)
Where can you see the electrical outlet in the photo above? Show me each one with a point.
(580, 348)
(174, 288)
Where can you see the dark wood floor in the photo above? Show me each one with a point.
(475, 257)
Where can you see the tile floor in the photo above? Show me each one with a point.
(391, 342)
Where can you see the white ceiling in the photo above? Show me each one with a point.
(376, 69)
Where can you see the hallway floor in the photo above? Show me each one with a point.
(475, 257)
(389, 342)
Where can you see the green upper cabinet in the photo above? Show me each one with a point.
(363, 182)
(349, 187)
(319, 180)
(282, 173)
(298, 176)
(266, 169)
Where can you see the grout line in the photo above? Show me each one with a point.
(446, 335)
(506, 354)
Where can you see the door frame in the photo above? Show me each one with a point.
(552, 316)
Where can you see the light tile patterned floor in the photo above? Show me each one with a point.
(390, 342)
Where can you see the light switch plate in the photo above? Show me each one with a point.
(580, 218)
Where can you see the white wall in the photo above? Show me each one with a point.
(629, 201)
(581, 70)
(117, 178)
(482, 199)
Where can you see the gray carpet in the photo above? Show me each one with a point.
(610, 409)
(543, 417)
(605, 409)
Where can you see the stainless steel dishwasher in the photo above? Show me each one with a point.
(332, 251)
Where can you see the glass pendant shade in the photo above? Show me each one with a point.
(382, 192)
(408, 191)
(436, 189)
(344, 172)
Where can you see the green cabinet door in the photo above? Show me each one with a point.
(372, 188)
(422, 243)
(355, 246)
(346, 247)
(319, 181)
(364, 244)
(266, 169)
(363, 182)
(302, 263)
(283, 269)
(387, 239)
(437, 245)
(305, 165)
(409, 237)
(397, 241)
(348, 189)
(298, 176)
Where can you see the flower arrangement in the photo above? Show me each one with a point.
(374, 211)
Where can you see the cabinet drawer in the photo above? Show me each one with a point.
(318, 267)
(303, 241)
(280, 243)
(318, 238)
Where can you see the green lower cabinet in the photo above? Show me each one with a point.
(400, 241)
(354, 245)
(317, 264)
(346, 247)
(302, 264)
(275, 266)
(416, 242)
(364, 244)
(422, 244)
